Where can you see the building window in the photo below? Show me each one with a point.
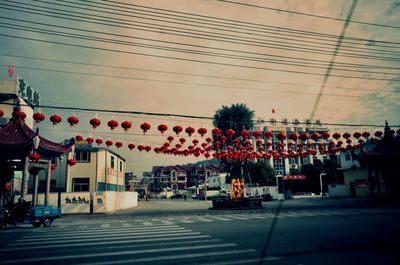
(80, 184)
(82, 156)
(279, 166)
(347, 157)
(112, 162)
(120, 166)
(173, 176)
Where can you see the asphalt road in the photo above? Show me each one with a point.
(305, 231)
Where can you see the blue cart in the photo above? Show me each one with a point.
(38, 215)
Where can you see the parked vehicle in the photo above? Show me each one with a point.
(23, 213)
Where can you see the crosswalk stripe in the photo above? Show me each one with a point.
(147, 223)
(105, 225)
(172, 257)
(220, 218)
(203, 219)
(118, 253)
(127, 225)
(187, 221)
(104, 238)
(110, 230)
(242, 261)
(161, 241)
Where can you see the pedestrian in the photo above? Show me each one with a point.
(184, 196)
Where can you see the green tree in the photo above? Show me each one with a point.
(237, 117)
(313, 171)
(260, 173)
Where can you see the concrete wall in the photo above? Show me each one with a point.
(359, 175)
(104, 202)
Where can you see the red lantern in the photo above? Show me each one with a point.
(190, 130)
(268, 134)
(126, 125)
(73, 120)
(195, 141)
(71, 162)
(99, 141)
(162, 128)
(346, 135)
(95, 122)
(326, 135)
(336, 135)
(245, 134)
(19, 115)
(216, 132)
(53, 167)
(281, 136)
(131, 146)
(357, 135)
(112, 124)
(145, 127)
(303, 136)
(223, 139)
(182, 140)
(89, 140)
(147, 148)
(118, 144)
(293, 136)
(1, 113)
(170, 139)
(55, 119)
(208, 140)
(366, 134)
(230, 133)
(78, 138)
(315, 136)
(140, 147)
(257, 134)
(177, 129)
(34, 157)
(109, 143)
(202, 131)
(38, 117)
(378, 134)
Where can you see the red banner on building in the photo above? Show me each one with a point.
(294, 177)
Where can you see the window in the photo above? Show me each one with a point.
(112, 162)
(120, 166)
(279, 166)
(173, 176)
(80, 184)
(82, 156)
(347, 156)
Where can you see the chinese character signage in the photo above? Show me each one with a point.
(25, 91)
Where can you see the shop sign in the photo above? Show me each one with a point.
(28, 93)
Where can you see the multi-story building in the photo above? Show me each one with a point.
(97, 169)
(171, 177)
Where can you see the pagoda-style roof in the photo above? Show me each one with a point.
(16, 141)
(388, 147)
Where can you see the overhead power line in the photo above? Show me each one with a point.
(89, 17)
(268, 90)
(130, 112)
(181, 58)
(183, 74)
(309, 15)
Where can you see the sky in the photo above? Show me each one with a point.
(191, 57)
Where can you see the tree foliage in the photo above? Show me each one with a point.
(237, 117)
(260, 173)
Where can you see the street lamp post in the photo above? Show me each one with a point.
(205, 183)
(320, 183)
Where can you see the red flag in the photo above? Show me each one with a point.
(273, 110)
(10, 71)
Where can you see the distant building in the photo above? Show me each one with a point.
(98, 169)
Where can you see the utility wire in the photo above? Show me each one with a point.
(269, 90)
(222, 55)
(250, 32)
(309, 15)
(130, 112)
(187, 59)
(228, 22)
(216, 37)
(180, 73)
(286, 59)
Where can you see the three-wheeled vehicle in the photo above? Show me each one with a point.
(23, 213)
